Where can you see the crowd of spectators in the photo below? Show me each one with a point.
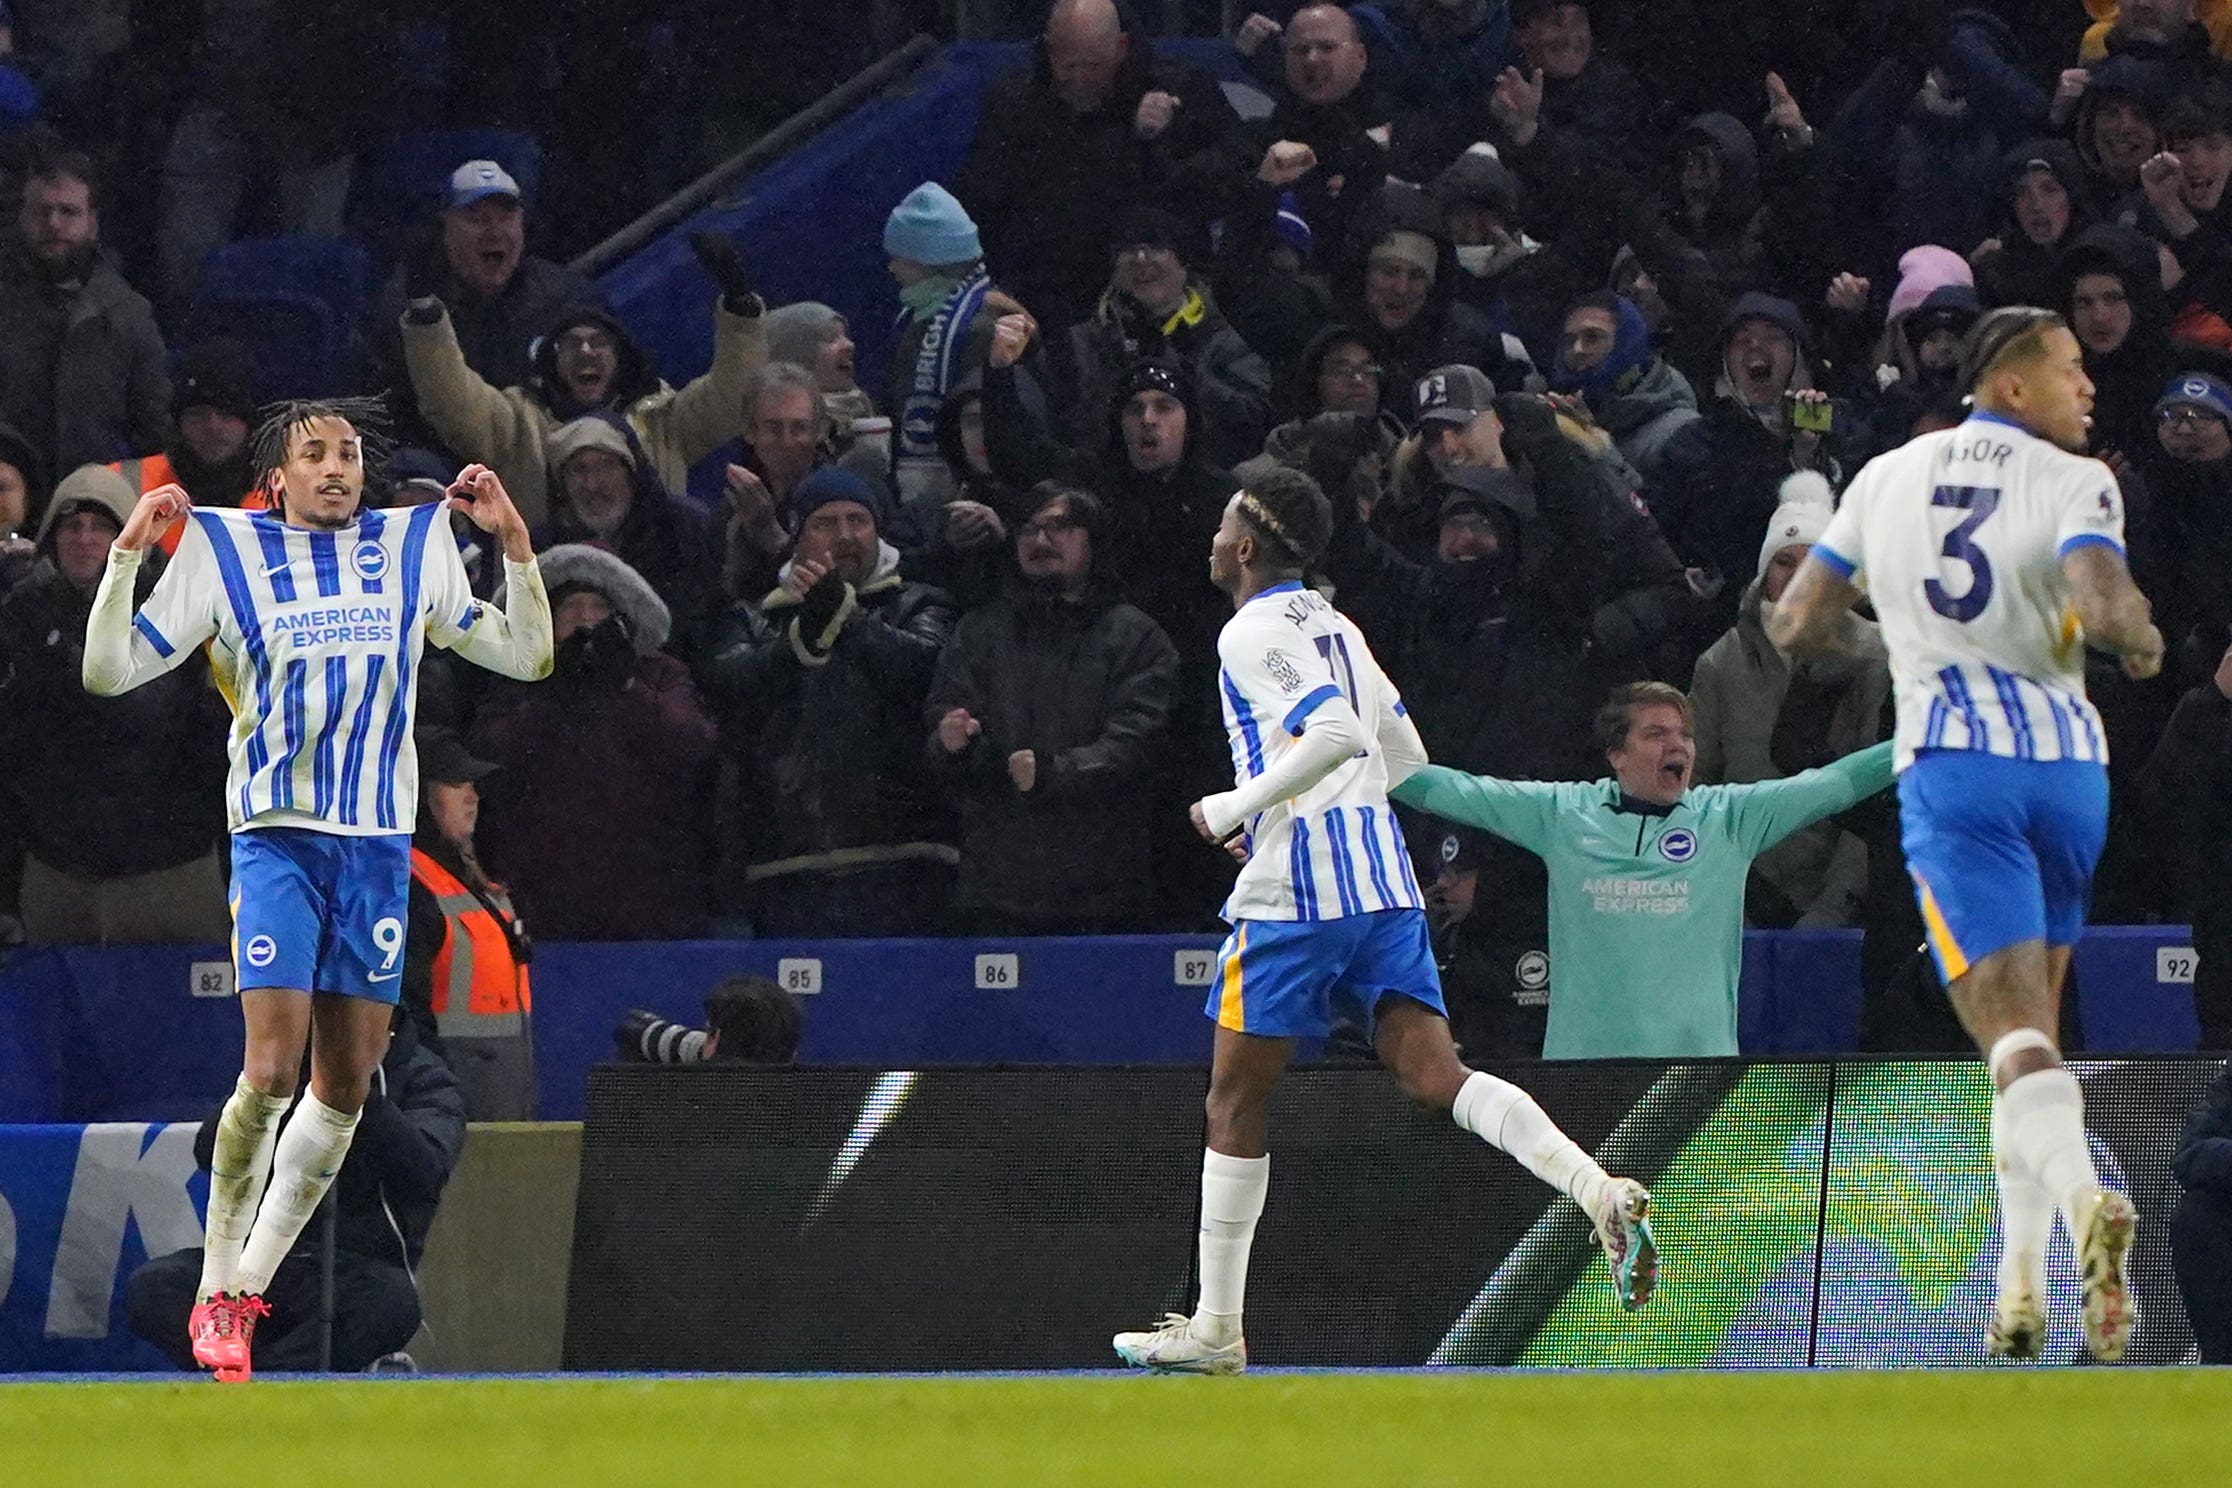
(1581, 329)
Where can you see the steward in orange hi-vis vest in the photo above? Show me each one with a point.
(480, 993)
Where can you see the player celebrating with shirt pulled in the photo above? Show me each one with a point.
(316, 615)
(1993, 553)
(1327, 915)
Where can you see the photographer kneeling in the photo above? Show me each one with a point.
(748, 1020)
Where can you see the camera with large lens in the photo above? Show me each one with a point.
(647, 1038)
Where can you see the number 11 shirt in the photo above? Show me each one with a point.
(1334, 850)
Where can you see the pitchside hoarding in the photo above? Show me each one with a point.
(1810, 1214)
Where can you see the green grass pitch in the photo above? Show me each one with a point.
(1975, 1428)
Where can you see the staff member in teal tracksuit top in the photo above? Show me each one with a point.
(1646, 875)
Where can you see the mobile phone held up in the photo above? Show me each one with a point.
(1829, 416)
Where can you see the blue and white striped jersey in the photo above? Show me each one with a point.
(1958, 538)
(315, 638)
(1335, 849)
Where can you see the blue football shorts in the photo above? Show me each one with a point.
(320, 912)
(2001, 850)
(1292, 978)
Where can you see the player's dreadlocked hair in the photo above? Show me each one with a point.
(267, 449)
(2013, 332)
(1291, 515)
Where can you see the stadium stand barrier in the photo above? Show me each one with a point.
(1821, 1215)
(1810, 1215)
(150, 1032)
(811, 222)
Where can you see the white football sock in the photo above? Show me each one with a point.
(310, 1153)
(238, 1166)
(2026, 1213)
(2043, 1114)
(1502, 1115)
(1232, 1190)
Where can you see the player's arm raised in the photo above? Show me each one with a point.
(124, 649)
(2115, 615)
(515, 641)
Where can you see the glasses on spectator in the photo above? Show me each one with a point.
(585, 341)
(1352, 371)
(1050, 526)
(2185, 417)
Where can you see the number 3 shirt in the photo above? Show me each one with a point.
(1958, 539)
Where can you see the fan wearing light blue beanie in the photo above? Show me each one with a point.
(931, 231)
(950, 306)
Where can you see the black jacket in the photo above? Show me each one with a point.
(1045, 184)
(103, 787)
(1720, 482)
(1571, 200)
(2019, 271)
(1769, 229)
(2128, 380)
(1504, 663)
(1604, 108)
(1089, 688)
(2204, 1158)
(1232, 383)
(2180, 538)
(83, 373)
(2185, 792)
(1446, 331)
(1161, 521)
(828, 744)
(2186, 839)
(406, 1146)
(1338, 135)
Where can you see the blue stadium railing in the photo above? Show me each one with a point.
(151, 1033)
(811, 224)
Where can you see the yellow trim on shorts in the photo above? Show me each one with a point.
(1232, 1011)
(1948, 950)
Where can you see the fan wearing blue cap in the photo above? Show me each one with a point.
(473, 269)
(2193, 419)
(839, 556)
(2183, 554)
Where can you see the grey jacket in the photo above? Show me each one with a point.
(1739, 691)
(83, 373)
(1643, 418)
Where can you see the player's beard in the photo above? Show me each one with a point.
(320, 520)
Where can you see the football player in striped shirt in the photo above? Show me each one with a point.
(1993, 554)
(1327, 918)
(315, 614)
